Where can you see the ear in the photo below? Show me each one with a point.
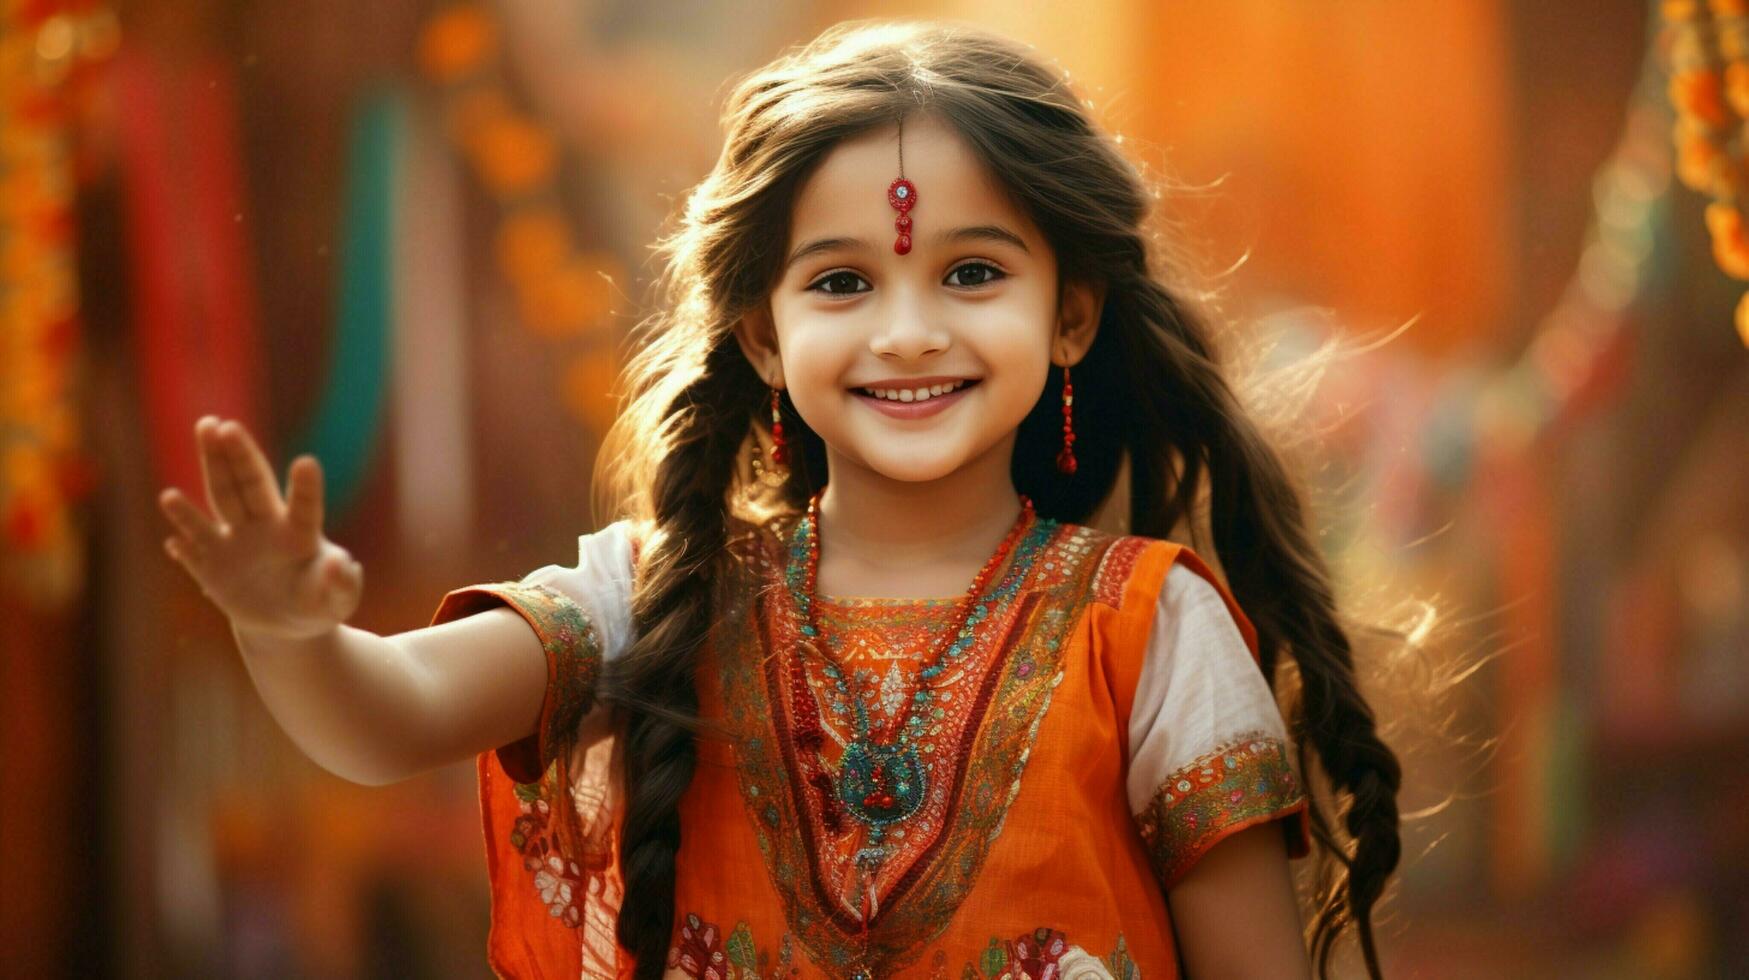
(757, 336)
(1077, 321)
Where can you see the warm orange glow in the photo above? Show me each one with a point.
(513, 154)
(1730, 245)
(533, 243)
(457, 42)
(1698, 93)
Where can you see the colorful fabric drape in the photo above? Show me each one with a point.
(196, 320)
(433, 444)
(345, 426)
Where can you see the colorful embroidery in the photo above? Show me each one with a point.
(1115, 568)
(701, 953)
(573, 650)
(1047, 954)
(1118, 962)
(1248, 781)
(559, 879)
(990, 708)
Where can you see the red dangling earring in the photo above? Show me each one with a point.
(779, 449)
(1066, 455)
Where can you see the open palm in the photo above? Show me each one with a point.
(261, 558)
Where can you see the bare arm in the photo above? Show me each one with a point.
(1235, 912)
(368, 708)
(376, 709)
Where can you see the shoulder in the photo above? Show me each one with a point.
(1164, 579)
(1125, 569)
(604, 559)
(619, 540)
(1168, 584)
(1189, 586)
(600, 581)
(1193, 612)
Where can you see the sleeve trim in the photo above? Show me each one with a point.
(1245, 782)
(574, 658)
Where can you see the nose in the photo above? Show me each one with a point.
(910, 330)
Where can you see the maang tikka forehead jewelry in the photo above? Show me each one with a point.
(902, 195)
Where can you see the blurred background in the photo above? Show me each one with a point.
(410, 237)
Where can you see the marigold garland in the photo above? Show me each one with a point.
(1707, 45)
(563, 292)
(48, 51)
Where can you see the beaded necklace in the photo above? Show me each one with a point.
(881, 779)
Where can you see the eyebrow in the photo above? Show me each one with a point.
(988, 233)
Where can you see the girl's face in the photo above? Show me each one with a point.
(915, 365)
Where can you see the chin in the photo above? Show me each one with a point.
(910, 469)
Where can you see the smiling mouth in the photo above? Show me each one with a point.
(920, 394)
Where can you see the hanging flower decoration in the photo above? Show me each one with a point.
(48, 53)
(1707, 45)
(1580, 353)
(563, 292)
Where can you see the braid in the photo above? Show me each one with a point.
(1332, 717)
(707, 421)
(1278, 576)
(1153, 395)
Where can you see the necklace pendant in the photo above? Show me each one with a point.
(869, 859)
(880, 784)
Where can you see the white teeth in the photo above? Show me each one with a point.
(913, 394)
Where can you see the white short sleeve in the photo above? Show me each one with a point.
(600, 582)
(1208, 747)
(582, 616)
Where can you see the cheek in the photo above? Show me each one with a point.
(816, 362)
(1016, 348)
(816, 359)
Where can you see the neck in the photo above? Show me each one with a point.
(885, 525)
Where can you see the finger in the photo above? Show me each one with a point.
(249, 471)
(221, 493)
(325, 588)
(304, 498)
(345, 585)
(341, 572)
(188, 519)
(187, 555)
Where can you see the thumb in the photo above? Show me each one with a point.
(342, 585)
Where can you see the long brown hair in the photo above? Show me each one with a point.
(1151, 393)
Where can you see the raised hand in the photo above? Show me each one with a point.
(261, 559)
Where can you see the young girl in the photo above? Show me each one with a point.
(910, 340)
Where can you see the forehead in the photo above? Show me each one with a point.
(847, 193)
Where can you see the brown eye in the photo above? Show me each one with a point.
(983, 272)
(844, 283)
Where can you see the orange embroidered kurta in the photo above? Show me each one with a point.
(1051, 816)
